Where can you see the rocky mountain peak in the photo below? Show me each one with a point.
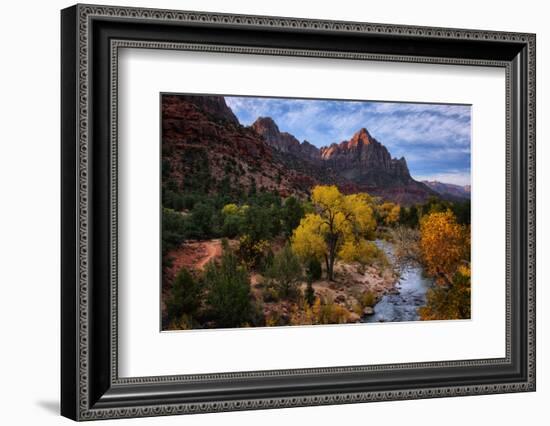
(361, 137)
(265, 125)
(214, 106)
(283, 141)
(364, 160)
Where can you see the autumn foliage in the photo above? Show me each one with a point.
(445, 250)
(444, 245)
(340, 221)
(389, 213)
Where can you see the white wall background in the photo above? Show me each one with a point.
(29, 225)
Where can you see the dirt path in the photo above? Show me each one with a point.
(194, 255)
(212, 249)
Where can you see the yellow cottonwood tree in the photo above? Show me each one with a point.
(338, 219)
(389, 213)
(444, 244)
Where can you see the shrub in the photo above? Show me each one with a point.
(174, 229)
(273, 319)
(184, 322)
(231, 226)
(329, 312)
(267, 260)
(449, 302)
(252, 252)
(406, 244)
(368, 298)
(285, 272)
(229, 291)
(185, 296)
(320, 312)
(172, 200)
(408, 216)
(302, 314)
(233, 219)
(202, 218)
(230, 209)
(257, 318)
(270, 295)
(362, 251)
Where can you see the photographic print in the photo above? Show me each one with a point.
(287, 211)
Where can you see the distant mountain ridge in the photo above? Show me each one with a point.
(449, 189)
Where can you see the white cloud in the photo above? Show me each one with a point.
(457, 178)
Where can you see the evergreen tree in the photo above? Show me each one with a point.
(229, 291)
(185, 296)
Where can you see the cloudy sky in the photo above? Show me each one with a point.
(434, 138)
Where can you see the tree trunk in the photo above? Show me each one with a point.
(331, 257)
(331, 268)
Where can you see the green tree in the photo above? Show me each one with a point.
(314, 269)
(233, 220)
(434, 205)
(310, 293)
(228, 287)
(232, 225)
(198, 177)
(185, 296)
(411, 217)
(202, 218)
(292, 213)
(462, 211)
(174, 229)
(285, 272)
(258, 223)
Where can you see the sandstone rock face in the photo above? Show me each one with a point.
(202, 136)
(364, 160)
(309, 152)
(359, 164)
(213, 106)
(283, 141)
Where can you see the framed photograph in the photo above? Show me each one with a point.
(263, 212)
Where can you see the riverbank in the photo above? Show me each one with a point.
(355, 291)
(409, 294)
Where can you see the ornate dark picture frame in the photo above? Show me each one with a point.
(90, 385)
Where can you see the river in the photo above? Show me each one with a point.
(410, 295)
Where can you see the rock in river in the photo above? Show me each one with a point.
(368, 310)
